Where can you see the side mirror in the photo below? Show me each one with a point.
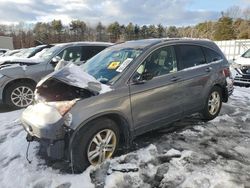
(55, 60)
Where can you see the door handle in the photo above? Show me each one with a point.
(174, 79)
(208, 69)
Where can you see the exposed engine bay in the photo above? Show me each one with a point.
(55, 90)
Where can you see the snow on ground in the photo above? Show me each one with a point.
(190, 154)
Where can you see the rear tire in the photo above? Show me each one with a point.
(89, 146)
(213, 104)
(19, 95)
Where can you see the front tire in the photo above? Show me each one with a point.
(213, 104)
(94, 143)
(19, 95)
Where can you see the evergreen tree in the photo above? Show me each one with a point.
(79, 29)
(160, 31)
(144, 31)
(130, 31)
(224, 29)
(172, 32)
(114, 31)
(100, 30)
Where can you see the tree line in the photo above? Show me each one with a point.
(233, 24)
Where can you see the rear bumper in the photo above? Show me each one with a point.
(230, 91)
(230, 86)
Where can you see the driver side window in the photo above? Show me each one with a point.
(162, 61)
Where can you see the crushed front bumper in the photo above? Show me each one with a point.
(52, 149)
(45, 125)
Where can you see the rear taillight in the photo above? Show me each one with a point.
(226, 72)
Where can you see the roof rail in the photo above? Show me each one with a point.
(185, 38)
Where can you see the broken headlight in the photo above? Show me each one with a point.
(63, 106)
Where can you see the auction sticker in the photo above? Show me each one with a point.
(114, 65)
(124, 65)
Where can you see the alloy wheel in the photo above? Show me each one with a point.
(22, 96)
(214, 103)
(102, 146)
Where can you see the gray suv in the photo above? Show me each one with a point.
(85, 113)
(18, 77)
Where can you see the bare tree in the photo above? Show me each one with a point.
(246, 13)
(233, 12)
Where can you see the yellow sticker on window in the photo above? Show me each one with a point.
(114, 65)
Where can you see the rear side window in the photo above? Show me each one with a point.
(189, 56)
(211, 55)
(72, 54)
(90, 51)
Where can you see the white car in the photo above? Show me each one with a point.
(240, 69)
(2, 51)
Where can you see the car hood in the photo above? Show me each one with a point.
(74, 75)
(13, 60)
(242, 61)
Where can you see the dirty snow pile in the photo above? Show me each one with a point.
(189, 154)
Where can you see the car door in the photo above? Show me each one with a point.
(37, 71)
(196, 75)
(157, 101)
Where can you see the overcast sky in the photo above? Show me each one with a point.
(166, 12)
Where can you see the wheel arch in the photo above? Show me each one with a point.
(25, 80)
(121, 122)
(223, 92)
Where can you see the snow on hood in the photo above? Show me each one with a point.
(242, 61)
(13, 59)
(74, 75)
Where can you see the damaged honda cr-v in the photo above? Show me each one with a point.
(84, 113)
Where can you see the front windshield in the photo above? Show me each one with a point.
(109, 63)
(50, 52)
(39, 54)
(246, 54)
(24, 52)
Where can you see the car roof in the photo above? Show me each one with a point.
(146, 43)
(87, 43)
